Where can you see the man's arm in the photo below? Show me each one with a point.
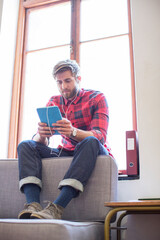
(100, 119)
(80, 134)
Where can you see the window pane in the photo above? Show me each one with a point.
(49, 26)
(103, 18)
(105, 66)
(39, 85)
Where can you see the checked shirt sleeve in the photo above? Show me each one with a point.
(100, 120)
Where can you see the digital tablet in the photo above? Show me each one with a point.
(49, 115)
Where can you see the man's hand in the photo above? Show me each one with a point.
(64, 127)
(44, 132)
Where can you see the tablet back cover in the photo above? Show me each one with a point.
(49, 115)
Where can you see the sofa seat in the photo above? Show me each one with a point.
(14, 229)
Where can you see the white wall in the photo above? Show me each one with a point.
(7, 52)
(146, 43)
(1, 6)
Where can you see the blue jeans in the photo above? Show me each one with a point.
(85, 154)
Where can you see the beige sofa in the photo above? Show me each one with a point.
(83, 218)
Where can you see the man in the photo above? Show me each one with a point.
(83, 128)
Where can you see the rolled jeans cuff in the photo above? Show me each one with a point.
(28, 180)
(71, 182)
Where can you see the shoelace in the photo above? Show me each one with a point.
(27, 205)
(52, 207)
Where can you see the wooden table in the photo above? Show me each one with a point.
(131, 207)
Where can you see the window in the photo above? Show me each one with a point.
(47, 41)
(97, 33)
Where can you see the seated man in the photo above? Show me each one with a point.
(83, 129)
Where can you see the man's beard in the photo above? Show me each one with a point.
(70, 95)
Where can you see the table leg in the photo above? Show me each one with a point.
(111, 213)
(119, 225)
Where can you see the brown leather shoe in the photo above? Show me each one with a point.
(29, 209)
(52, 211)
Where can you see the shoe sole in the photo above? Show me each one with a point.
(36, 216)
(24, 215)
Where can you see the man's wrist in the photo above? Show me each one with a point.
(74, 132)
(37, 138)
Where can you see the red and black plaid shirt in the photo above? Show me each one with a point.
(88, 112)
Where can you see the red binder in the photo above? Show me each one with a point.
(132, 153)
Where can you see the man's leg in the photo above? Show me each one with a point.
(30, 154)
(83, 163)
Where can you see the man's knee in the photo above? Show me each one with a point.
(89, 143)
(91, 140)
(23, 146)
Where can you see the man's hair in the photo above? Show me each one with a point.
(65, 65)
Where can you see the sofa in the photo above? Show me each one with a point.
(83, 218)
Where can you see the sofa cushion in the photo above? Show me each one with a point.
(89, 206)
(50, 229)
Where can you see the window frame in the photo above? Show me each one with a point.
(18, 90)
